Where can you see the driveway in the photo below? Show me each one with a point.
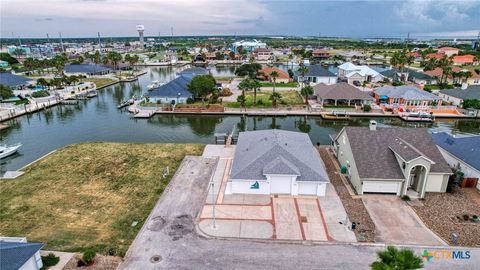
(164, 242)
(397, 223)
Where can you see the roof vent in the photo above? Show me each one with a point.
(373, 125)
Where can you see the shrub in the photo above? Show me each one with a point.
(49, 260)
(367, 108)
(42, 93)
(88, 256)
(406, 198)
(190, 101)
(260, 102)
(226, 92)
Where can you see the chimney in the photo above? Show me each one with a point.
(373, 125)
(464, 86)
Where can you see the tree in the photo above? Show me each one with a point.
(303, 70)
(114, 58)
(231, 55)
(446, 65)
(250, 70)
(241, 99)
(42, 82)
(5, 91)
(471, 103)
(306, 92)
(201, 86)
(255, 85)
(8, 58)
(400, 60)
(274, 75)
(394, 259)
(275, 97)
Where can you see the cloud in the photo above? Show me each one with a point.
(44, 19)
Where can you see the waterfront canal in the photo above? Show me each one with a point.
(98, 119)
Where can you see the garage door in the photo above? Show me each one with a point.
(280, 185)
(380, 187)
(307, 189)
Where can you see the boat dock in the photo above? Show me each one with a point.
(144, 114)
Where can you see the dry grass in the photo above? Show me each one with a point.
(88, 195)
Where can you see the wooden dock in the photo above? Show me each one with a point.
(144, 114)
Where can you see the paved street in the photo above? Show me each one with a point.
(168, 239)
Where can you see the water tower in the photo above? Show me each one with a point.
(140, 29)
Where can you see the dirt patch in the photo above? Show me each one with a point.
(182, 225)
(439, 212)
(356, 211)
(101, 263)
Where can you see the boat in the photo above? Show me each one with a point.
(336, 115)
(126, 103)
(418, 117)
(154, 85)
(92, 94)
(6, 151)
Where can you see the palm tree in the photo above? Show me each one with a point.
(255, 85)
(241, 99)
(244, 85)
(303, 70)
(42, 82)
(392, 258)
(274, 75)
(275, 97)
(306, 92)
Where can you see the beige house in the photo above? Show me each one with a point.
(401, 161)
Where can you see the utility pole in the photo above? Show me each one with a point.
(48, 39)
(99, 43)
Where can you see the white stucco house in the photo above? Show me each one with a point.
(316, 74)
(460, 153)
(276, 162)
(401, 161)
(17, 253)
(350, 73)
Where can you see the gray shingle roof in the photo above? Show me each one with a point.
(465, 149)
(14, 254)
(406, 92)
(86, 68)
(472, 92)
(405, 150)
(173, 88)
(375, 159)
(317, 71)
(340, 91)
(278, 152)
(12, 80)
(392, 73)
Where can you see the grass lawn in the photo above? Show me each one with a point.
(289, 98)
(88, 195)
(269, 84)
(100, 82)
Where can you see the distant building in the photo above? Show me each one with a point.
(263, 54)
(406, 97)
(248, 45)
(458, 95)
(176, 91)
(276, 162)
(17, 254)
(351, 73)
(460, 153)
(320, 54)
(467, 59)
(283, 76)
(316, 74)
(87, 69)
(353, 55)
(448, 51)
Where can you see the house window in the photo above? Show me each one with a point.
(314, 79)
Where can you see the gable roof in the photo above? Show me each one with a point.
(465, 149)
(86, 68)
(472, 92)
(406, 92)
(468, 58)
(394, 72)
(277, 152)
(173, 88)
(12, 80)
(340, 91)
(352, 69)
(15, 254)
(375, 159)
(281, 74)
(437, 72)
(317, 71)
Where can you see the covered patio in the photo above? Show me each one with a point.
(341, 94)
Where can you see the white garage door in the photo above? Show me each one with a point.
(307, 189)
(281, 185)
(380, 187)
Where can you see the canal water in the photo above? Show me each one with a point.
(98, 119)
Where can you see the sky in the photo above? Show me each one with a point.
(342, 18)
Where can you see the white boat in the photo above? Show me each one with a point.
(6, 150)
(154, 84)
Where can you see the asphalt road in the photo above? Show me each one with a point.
(168, 239)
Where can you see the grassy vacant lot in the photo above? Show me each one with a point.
(88, 195)
(289, 98)
(100, 82)
(269, 84)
